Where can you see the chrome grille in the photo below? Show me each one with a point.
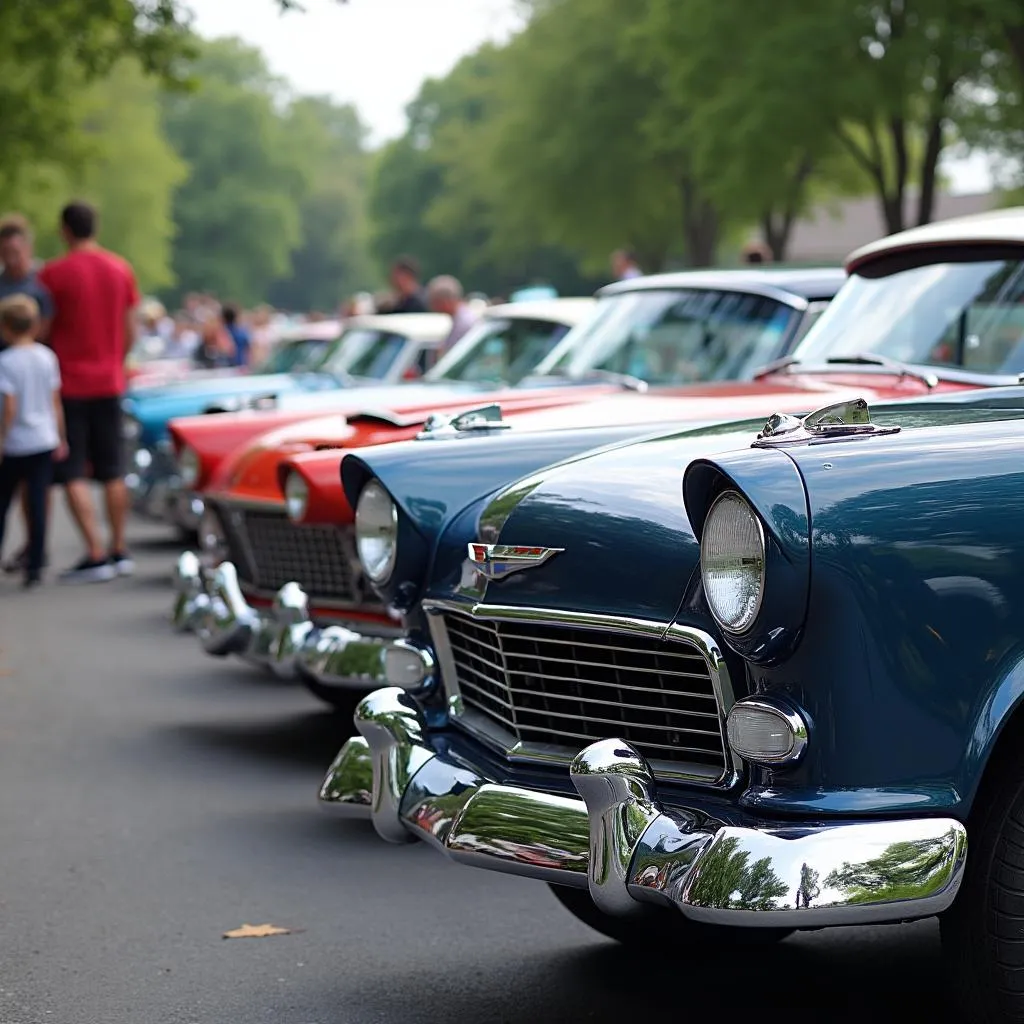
(561, 685)
(269, 550)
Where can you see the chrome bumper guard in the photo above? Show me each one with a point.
(282, 638)
(619, 842)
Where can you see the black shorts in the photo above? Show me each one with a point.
(95, 441)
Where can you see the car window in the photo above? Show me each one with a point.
(426, 358)
(295, 356)
(676, 336)
(366, 353)
(966, 314)
(500, 350)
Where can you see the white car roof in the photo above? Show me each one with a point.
(321, 330)
(428, 327)
(991, 228)
(569, 312)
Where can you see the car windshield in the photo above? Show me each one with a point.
(364, 352)
(499, 350)
(968, 315)
(295, 356)
(676, 336)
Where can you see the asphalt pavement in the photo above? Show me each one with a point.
(152, 798)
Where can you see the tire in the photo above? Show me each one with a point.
(343, 701)
(658, 926)
(983, 932)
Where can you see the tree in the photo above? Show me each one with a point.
(569, 154)
(332, 260)
(124, 166)
(238, 214)
(878, 82)
(432, 195)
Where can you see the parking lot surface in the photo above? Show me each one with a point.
(152, 798)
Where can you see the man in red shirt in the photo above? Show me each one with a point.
(93, 329)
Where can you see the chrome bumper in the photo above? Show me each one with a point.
(282, 638)
(617, 840)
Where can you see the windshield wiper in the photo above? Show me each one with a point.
(624, 380)
(929, 380)
(775, 366)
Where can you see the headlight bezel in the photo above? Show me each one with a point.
(296, 504)
(214, 551)
(741, 625)
(189, 467)
(379, 572)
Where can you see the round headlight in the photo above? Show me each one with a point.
(732, 562)
(188, 467)
(296, 497)
(376, 532)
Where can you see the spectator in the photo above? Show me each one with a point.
(445, 296)
(625, 266)
(17, 274)
(18, 277)
(757, 252)
(405, 280)
(94, 297)
(31, 422)
(215, 349)
(240, 337)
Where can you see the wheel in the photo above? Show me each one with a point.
(983, 932)
(343, 701)
(654, 926)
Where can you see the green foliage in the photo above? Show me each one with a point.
(432, 196)
(237, 215)
(332, 260)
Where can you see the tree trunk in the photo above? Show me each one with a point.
(777, 226)
(700, 225)
(930, 171)
(1015, 37)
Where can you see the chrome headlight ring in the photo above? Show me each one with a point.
(376, 533)
(732, 562)
(296, 497)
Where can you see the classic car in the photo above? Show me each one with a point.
(682, 326)
(365, 350)
(720, 325)
(718, 686)
(929, 303)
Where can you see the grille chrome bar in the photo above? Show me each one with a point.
(269, 550)
(512, 680)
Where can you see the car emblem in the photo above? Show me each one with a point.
(495, 561)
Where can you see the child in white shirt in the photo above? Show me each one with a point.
(31, 422)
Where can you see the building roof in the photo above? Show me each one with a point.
(834, 230)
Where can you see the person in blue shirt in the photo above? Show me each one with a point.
(239, 335)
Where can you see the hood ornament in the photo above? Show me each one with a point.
(484, 419)
(496, 561)
(840, 421)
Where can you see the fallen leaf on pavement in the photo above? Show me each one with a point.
(256, 931)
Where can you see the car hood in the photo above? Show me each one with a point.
(616, 518)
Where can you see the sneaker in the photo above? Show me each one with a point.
(31, 582)
(89, 570)
(123, 563)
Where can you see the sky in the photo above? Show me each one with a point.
(377, 53)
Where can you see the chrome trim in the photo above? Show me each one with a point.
(282, 638)
(482, 419)
(190, 597)
(427, 664)
(841, 421)
(528, 753)
(623, 844)
(733, 493)
(792, 718)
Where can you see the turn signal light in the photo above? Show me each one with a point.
(766, 732)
